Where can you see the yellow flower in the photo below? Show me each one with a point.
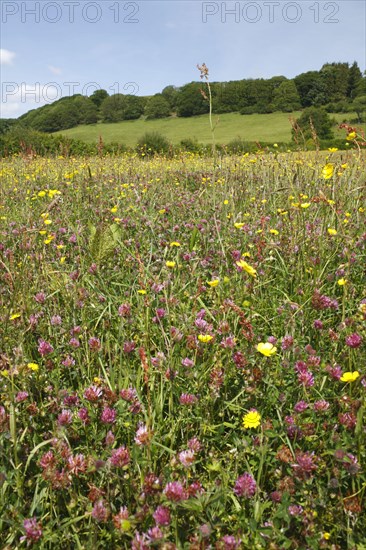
(174, 243)
(333, 149)
(226, 201)
(162, 211)
(326, 536)
(267, 349)
(213, 283)
(350, 376)
(273, 231)
(170, 264)
(252, 419)
(305, 204)
(141, 291)
(351, 136)
(342, 282)
(33, 366)
(238, 225)
(47, 222)
(205, 338)
(246, 267)
(14, 316)
(331, 231)
(114, 209)
(327, 171)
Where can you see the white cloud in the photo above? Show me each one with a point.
(6, 57)
(55, 70)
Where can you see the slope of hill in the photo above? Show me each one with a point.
(268, 127)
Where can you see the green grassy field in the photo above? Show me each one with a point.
(270, 127)
(183, 352)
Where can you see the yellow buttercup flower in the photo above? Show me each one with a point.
(342, 282)
(174, 243)
(204, 338)
(350, 376)
(351, 136)
(14, 316)
(141, 291)
(331, 231)
(252, 419)
(327, 171)
(246, 267)
(239, 225)
(213, 283)
(305, 204)
(170, 264)
(33, 366)
(267, 349)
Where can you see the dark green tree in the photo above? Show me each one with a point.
(354, 78)
(286, 97)
(88, 111)
(157, 107)
(310, 88)
(317, 119)
(334, 78)
(98, 97)
(190, 101)
(361, 86)
(121, 107)
(170, 94)
(358, 105)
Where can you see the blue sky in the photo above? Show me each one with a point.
(53, 48)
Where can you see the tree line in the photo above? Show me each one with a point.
(337, 87)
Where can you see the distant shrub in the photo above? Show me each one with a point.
(314, 119)
(191, 145)
(152, 143)
(238, 146)
(248, 110)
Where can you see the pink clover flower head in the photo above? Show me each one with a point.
(33, 530)
(120, 457)
(100, 512)
(354, 340)
(186, 458)
(245, 486)
(229, 542)
(108, 415)
(188, 399)
(44, 348)
(162, 516)
(175, 492)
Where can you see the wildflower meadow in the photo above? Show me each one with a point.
(182, 361)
